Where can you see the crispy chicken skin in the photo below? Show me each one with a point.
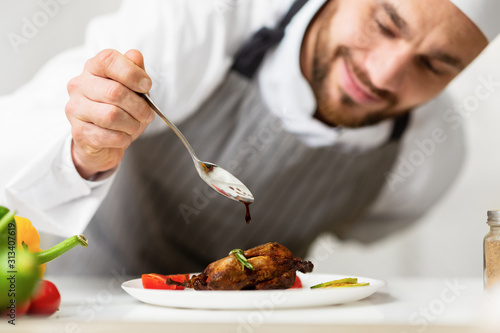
(274, 268)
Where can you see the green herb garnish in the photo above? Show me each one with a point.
(240, 255)
(343, 283)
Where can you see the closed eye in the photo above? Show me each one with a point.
(385, 30)
(428, 65)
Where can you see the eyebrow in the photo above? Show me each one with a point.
(402, 25)
(396, 19)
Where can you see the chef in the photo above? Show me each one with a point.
(319, 107)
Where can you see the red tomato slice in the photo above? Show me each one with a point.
(297, 284)
(158, 281)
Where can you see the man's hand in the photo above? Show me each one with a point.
(105, 113)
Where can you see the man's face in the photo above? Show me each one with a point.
(369, 60)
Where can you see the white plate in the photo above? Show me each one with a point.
(256, 299)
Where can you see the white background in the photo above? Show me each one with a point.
(447, 242)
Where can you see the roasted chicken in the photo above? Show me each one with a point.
(273, 265)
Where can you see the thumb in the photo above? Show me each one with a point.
(136, 57)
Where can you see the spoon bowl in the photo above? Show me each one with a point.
(224, 182)
(219, 179)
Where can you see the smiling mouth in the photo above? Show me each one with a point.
(354, 87)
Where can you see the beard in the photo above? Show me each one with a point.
(346, 112)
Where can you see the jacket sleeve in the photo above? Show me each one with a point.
(35, 177)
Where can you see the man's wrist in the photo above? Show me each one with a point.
(87, 173)
(102, 175)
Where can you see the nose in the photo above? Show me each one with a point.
(387, 66)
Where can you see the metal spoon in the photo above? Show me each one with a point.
(219, 179)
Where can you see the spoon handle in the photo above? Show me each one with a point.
(171, 125)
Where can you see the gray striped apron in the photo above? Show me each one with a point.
(160, 217)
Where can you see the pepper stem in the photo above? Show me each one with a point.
(6, 219)
(61, 248)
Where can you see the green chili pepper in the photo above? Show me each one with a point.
(343, 283)
(240, 255)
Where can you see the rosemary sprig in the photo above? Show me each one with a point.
(240, 255)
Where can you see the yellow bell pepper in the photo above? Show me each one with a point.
(29, 239)
(29, 236)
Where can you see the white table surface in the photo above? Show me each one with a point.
(403, 305)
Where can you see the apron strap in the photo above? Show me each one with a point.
(250, 56)
(399, 126)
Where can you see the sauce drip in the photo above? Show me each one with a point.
(248, 218)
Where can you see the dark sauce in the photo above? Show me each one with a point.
(248, 218)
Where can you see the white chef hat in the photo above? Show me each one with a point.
(484, 13)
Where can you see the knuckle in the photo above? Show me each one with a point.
(115, 92)
(89, 135)
(111, 116)
(77, 134)
(141, 115)
(119, 139)
(73, 84)
(97, 139)
(108, 139)
(88, 64)
(135, 127)
(106, 57)
(69, 108)
(115, 118)
(86, 135)
(72, 107)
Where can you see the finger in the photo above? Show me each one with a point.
(115, 66)
(107, 91)
(136, 57)
(141, 130)
(87, 134)
(103, 115)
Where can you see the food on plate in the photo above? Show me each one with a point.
(240, 255)
(267, 266)
(297, 284)
(158, 281)
(342, 283)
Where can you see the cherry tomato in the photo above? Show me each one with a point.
(297, 284)
(158, 281)
(46, 299)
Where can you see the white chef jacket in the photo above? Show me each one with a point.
(188, 48)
